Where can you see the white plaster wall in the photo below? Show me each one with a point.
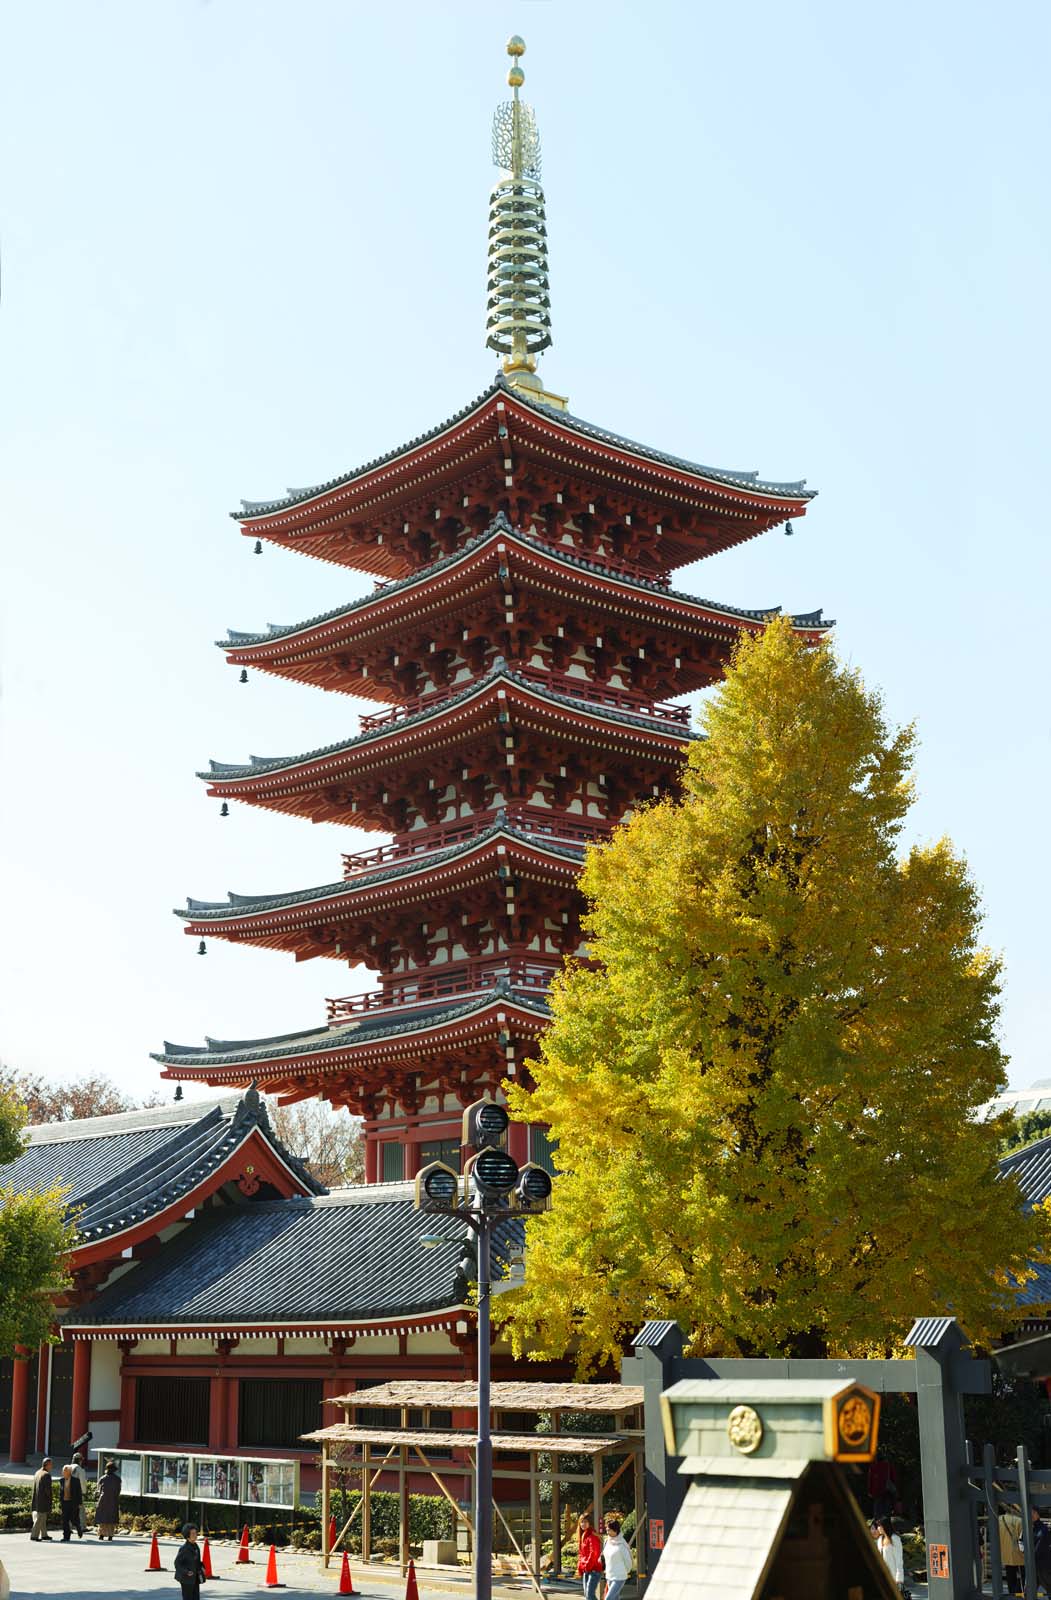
(104, 1392)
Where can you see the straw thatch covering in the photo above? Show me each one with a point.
(611, 1398)
(594, 1444)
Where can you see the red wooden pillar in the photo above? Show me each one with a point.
(233, 1389)
(412, 1159)
(217, 1405)
(43, 1385)
(81, 1386)
(372, 1147)
(518, 1143)
(19, 1403)
(127, 1410)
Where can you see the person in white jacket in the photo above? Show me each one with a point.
(616, 1559)
(889, 1546)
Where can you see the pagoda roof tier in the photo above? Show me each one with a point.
(504, 449)
(364, 781)
(375, 646)
(350, 920)
(387, 1055)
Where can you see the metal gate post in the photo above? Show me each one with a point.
(938, 1342)
(654, 1365)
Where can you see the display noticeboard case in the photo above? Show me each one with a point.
(269, 1482)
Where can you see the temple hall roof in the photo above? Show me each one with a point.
(499, 672)
(121, 1169)
(1032, 1168)
(353, 1255)
(239, 905)
(372, 1025)
(749, 481)
(500, 527)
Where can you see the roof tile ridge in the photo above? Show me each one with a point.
(182, 1168)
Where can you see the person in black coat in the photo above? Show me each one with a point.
(188, 1568)
(107, 1506)
(70, 1497)
(41, 1504)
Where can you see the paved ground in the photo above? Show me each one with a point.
(86, 1567)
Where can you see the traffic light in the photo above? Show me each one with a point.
(437, 1187)
(485, 1125)
(493, 1174)
(533, 1189)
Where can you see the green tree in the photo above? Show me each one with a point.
(36, 1238)
(1027, 1129)
(763, 1087)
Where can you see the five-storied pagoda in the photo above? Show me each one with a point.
(522, 643)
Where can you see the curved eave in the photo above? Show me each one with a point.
(326, 764)
(444, 872)
(382, 480)
(329, 1052)
(281, 647)
(430, 1317)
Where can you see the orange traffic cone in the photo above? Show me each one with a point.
(206, 1559)
(332, 1533)
(155, 1557)
(346, 1582)
(271, 1570)
(242, 1549)
(411, 1591)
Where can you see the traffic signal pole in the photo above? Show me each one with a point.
(483, 1475)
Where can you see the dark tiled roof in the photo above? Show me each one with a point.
(501, 527)
(499, 672)
(317, 1041)
(237, 905)
(737, 480)
(1032, 1168)
(121, 1170)
(355, 1255)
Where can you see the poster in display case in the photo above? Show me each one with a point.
(129, 1468)
(216, 1479)
(167, 1477)
(272, 1483)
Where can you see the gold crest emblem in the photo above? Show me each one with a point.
(744, 1429)
(855, 1420)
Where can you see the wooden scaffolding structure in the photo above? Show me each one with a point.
(374, 1452)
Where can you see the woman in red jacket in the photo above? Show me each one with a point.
(589, 1557)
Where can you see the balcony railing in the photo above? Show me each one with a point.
(554, 826)
(562, 682)
(414, 990)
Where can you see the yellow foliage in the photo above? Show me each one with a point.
(763, 1091)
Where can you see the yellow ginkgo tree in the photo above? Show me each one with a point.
(764, 1087)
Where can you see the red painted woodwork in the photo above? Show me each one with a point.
(81, 1386)
(19, 1405)
(42, 1386)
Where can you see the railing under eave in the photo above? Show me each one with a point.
(583, 689)
(476, 978)
(554, 827)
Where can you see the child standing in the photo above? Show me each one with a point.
(188, 1568)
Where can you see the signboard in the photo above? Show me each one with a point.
(129, 1467)
(938, 1560)
(272, 1483)
(167, 1477)
(216, 1479)
(656, 1533)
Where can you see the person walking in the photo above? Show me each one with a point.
(82, 1478)
(107, 1506)
(188, 1569)
(889, 1547)
(616, 1559)
(589, 1557)
(1041, 1550)
(69, 1500)
(1011, 1548)
(41, 1502)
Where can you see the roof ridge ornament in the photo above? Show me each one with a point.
(518, 306)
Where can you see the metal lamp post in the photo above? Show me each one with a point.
(494, 1189)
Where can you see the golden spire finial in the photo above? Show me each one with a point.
(518, 323)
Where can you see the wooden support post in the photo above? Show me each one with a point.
(458, 1509)
(639, 1464)
(534, 1515)
(403, 1497)
(596, 1469)
(556, 1504)
(366, 1504)
(326, 1501)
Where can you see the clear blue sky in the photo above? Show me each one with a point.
(244, 247)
